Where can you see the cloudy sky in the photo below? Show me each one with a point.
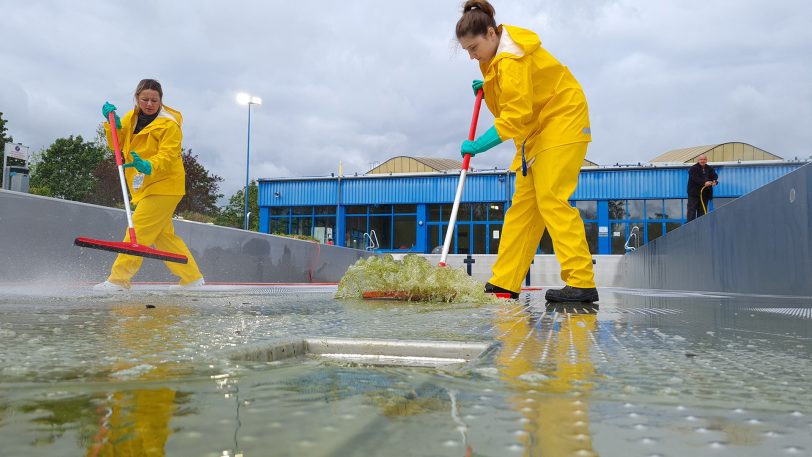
(361, 81)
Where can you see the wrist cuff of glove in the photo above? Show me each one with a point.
(488, 139)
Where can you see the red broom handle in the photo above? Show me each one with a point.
(472, 133)
(111, 118)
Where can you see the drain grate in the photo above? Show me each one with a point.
(803, 313)
(376, 352)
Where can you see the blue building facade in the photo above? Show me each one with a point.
(410, 212)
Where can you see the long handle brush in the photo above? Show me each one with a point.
(132, 247)
(461, 185)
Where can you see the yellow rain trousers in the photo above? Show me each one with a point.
(153, 226)
(541, 201)
(539, 104)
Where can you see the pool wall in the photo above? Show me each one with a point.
(37, 233)
(760, 243)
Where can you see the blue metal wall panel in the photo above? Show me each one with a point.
(292, 192)
(600, 184)
(634, 183)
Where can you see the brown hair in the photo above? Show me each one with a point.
(477, 16)
(150, 84)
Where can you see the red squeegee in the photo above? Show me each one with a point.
(126, 247)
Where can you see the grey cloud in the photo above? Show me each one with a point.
(361, 81)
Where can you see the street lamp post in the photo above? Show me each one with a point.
(246, 99)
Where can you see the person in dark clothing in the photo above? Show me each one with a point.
(701, 179)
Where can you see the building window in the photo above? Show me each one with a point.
(496, 211)
(588, 209)
(591, 230)
(478, 229)
(673, 208)
(479, 211)
(394, 226)
(279, 225)
(589, 214)
(324, 229)
(617, 209)
(618, 233)
(654, 230)
(279, 222)
(436, 233)
(439, 213)
(380, 209)
(408, 209)
(405, 232)
(635, 209)
(546, 243)
(301, 226)
(495, 234)
(382, 226)
(355, 227)
(654, 209)
(653, 218)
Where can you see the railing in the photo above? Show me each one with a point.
(373, 241)
(636, 234)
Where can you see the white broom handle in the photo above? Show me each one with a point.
(449, 233)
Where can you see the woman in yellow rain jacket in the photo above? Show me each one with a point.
(156, 180)
(538, 103)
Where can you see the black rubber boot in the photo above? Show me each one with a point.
(491, 289)
(571, 294)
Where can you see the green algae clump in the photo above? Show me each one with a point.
(412, 279)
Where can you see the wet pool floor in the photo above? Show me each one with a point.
(646, 374)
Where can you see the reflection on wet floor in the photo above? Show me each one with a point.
(645, 373)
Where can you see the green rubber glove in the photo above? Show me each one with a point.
(486, 141)
(476, 85)
(107, 109)
(139, 164)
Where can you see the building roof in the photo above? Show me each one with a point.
(440, 164)
(406, 164)
(721, 152)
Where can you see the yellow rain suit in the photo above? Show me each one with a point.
(538, 103)
(157, 195)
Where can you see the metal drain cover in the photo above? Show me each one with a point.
(369, 351)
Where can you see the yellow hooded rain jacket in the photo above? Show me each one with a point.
(533, 97)
(160, 144)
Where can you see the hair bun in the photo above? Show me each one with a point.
(481, 5)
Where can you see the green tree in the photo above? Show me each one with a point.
(107, 189)
(231, 215)
(66, 169)
(201, 188)
(3, 138)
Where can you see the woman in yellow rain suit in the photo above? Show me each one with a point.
(156, 180)
(538, 103)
